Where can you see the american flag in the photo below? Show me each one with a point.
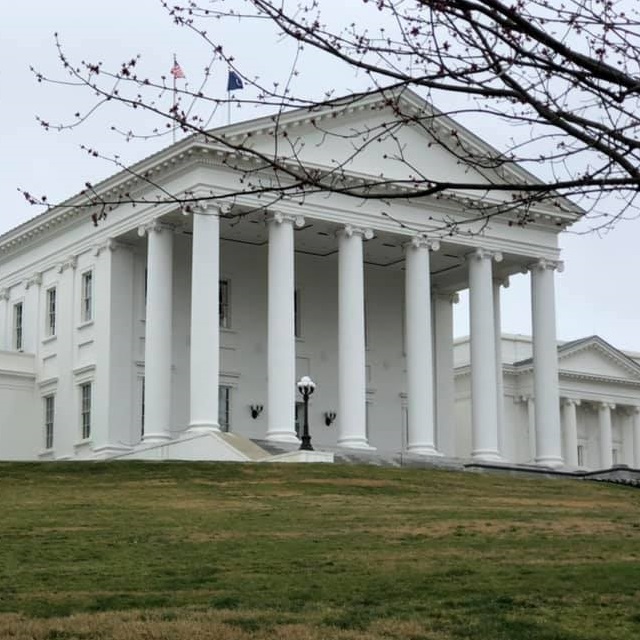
(176, 70)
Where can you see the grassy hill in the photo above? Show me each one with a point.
(230, 551)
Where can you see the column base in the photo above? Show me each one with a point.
(355, 443)
(550, 461)
(203, 427)
(155, 438)
(282, 436)
(423, 450)
(487, 455)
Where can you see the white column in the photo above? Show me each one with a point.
(352, 384)
(636, 437)
(281, 340)
(419, 358)
(158, 332)
(606, 440)
(497, 324)
(484, 406)
(444, 371)
(545, 364)
(570, 430)
(205, 320)
(4, 323)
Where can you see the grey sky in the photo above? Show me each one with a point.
(595, 295)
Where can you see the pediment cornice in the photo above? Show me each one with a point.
(603, 349)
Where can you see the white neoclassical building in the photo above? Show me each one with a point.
(160, 334)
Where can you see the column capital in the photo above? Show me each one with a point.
(635, 410)
(348, 231)
(207, 208)
(606, 405)
(4, 295)
(71, 262)
(571, 401)
(33, 280)
(480, 253)
(278, 217)
(453, 298)
(502, 282)
(154, 225)
(543, 264)
(110, 244)
(421, 241)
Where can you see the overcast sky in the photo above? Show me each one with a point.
(596, 294)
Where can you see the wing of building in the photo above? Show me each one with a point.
(174, 333)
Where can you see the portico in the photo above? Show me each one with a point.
(215, 309)
(428, 273)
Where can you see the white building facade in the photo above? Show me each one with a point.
(158, 331)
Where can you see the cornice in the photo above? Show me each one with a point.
(580, 375)
(591, 377)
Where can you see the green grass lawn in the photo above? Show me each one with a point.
(239, 551)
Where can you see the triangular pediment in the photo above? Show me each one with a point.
(379, 136)
(594, 356)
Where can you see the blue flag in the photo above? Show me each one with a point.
(234, 82)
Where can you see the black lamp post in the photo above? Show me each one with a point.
(306, 386)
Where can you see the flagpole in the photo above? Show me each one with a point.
(228, 107)
(175, 106)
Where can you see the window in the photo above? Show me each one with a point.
(17, 326)
(224, 407)
(225, 315)
(581, 455)
(86, 312)
(85, 410)
(51, 312)
(49, 410)
(615, 456)
(297, 315)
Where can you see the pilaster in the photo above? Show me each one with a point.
(444, 371)
(606, 440)
(636, 437)
(66, 408)
(31, 313)
(570, 431)
(498, 283)
(4, 315)
(113, 393)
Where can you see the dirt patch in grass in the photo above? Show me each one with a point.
(349, 482)
(559, 503)
(564, 527)
(198, 625)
